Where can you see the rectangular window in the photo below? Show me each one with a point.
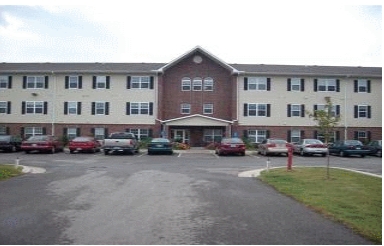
(185, 108)
(3, 82)
(186, 84)
(35, 82)
(334, 110)
(34, 107)
(257, 83)
(208, 108)
(257, 136)
(101, 82)
(99, 133)
(212, 135)
(363, 111)
(140, 82)
(100, 108)
(332, 137)
(295, 110)
(140, 108)
(326, 85)
(72, 108)
(295, 136)
(73, 82)
(140, 133)
(362, 85)
(208, 84)
(197, 84)
(71, 133)
(33, 131)
(3, 107)
(295, 84)
(3, 130)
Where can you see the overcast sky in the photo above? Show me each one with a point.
(238, 31)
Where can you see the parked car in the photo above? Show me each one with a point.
(273, 146)
(349, 147)
(121, 142)
(10, 143)
(84, 144)
(42, 143)
(230, 146)
(375, 147)
(310, 147)
(160, 145)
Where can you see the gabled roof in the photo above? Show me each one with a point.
(191, 120)
(196, 50)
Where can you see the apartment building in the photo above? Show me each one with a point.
(196, 98)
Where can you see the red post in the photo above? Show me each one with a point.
(290, 155)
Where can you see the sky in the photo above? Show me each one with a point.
(237, 31)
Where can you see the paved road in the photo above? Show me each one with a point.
(141, 199)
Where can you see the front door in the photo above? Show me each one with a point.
(181, 135)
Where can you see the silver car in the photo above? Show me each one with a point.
(310, 147)
(273, 146)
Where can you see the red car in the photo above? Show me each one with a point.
(84, 144)
(42, 143)
(230, 146)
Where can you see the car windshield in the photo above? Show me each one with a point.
(122, 136)
(82, 139)
(313, 141)
(231, 140)
(278, 141)
(353, 142)
(162, 140)
(5, 138)
(38, 138)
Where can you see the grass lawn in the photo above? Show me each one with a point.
(350, 198)
(9, 171)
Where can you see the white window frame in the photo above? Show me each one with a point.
(323, 107)
(295, 84)
(4, 82)
(362, 135)
(212, 135)
(362, 109)
(295, 110)
(33, 131)
(71, 133)
(100, 108)
(3, 130)
(257, 83)
(73, 82)
(257, 136)
(197, 84)
(208, 84)
(186, 84)
(72, 107)
(35, 82)
(3, 107)
(295, 136)
(332, 137)
(139, 108)
(185, 108)
(325, 85)
(257, 109)
(208, 108)
(140, 133)
(34, 107)
(362, 85)
(99, 133)
(101, 82)
(140, 82)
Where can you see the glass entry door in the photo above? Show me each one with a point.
(181, 135)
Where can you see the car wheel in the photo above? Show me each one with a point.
(13, 149)
(53, 150)
(242, 153)
(324, 155)
(362, 156)
(302, 153)
(378, 153)
(71, 151)
(27, 151)
(106, 152)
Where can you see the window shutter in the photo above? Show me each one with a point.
(245, 83)
(93, 108)
(245, 109)
(79, 108)
(94, 82)
(245, 133)
(289, 136)
(268, 134)
(369, 135)
(66, 82)
(8, 107)
(150, 133)
(93, 131)
(65, 107)
(337, 135)
(369, 112)
(45, 107)
(7, 131)
(356, 111)
(46, 82)
(106, 132)
(23, 107)
(302, 83)
(44, 131)
(315, 134)
(127, 130)
(338, 85)
(9, 82)
(107, 108)
(355, 135)
(314, 110)
(22, 132)
(289, 110)
(80, 82)
(151, 83)
(151, 108)
(337, 110)
(289, 84)
(24, 82)
(128, 108)
(65, 131)
(128, 82)
(78, 132)
(107, 86)
(302, 110)
(268, 110)
(355, 86)
(315, 85)
(302, 134)
(368, 86)
(268, 84)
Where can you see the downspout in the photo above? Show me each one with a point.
(345, 110)
(53, 105)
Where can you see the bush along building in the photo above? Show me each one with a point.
(196, 98)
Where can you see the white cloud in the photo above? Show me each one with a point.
(15, 28)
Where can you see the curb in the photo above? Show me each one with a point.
(27, 169)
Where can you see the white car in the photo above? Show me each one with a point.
(310, 147)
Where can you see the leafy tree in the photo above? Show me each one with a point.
(326, 123)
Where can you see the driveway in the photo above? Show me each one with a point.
(187, 198)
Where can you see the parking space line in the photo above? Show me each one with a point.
(179, 155)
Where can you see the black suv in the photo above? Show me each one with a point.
(10, 143)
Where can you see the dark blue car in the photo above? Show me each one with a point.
(349, 147)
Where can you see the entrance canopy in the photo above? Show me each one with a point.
(196, 120)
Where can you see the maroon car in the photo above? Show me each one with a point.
(84, 144)
(230, 146)
(42, 143)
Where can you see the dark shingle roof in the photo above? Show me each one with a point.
(247, 69)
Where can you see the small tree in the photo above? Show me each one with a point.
(326, 123)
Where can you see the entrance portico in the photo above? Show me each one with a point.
(196, 130)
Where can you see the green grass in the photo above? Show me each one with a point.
(9, 171)
(347, 197)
